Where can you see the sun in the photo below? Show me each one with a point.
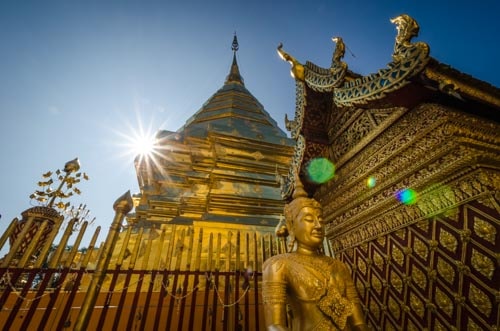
(143, 145)
(138, 141)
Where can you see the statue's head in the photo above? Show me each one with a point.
(304, 218)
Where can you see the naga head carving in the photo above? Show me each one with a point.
(407, 28)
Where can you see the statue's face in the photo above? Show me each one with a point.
(308, 227)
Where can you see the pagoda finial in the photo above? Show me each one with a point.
(235, 46)
(234, 75)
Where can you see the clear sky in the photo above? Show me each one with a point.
(77, 77)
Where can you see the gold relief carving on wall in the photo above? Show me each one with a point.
(354, 133)
(465, 235)
(347, 203)
(390, 141)
(448, 241)
(340, 119)
(452, 214)
(462, 268)
(350, 253)
(394, 307)
(396, 282)
(352, 187)
(381, 240)
(445, 270)
(405, 215)
(484, 229)
(488, 201)
(376, 284)
(472, 326)
(356, 128)
(439, 326)
(378, 259)
(361, 266)
(423, 225)
(483, 264)
(401, 233)
(419, 277)
(429, 119)
(420, 248)
(444, 302)
(407, 251)
(360, 286)
(417, 305)
(413, 327)
(480, 300)
(389, 326)
(374, 309)
(398, 255)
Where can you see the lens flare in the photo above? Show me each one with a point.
(320, 170)
(407, 196)
(371, 182)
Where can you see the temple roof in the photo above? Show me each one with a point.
(233, 110)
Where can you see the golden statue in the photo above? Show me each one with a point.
(318, 289)
(339, 52)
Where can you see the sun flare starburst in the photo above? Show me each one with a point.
(138, 142)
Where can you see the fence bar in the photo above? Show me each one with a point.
(38, 296)
(109, 295)
(152, 279)
(207, 281)
(237, 278)
(161, 297)
(69, 302)
(196, 280)
(255, 283)
(53, 296)
(247, 281)
(19, 301)
(134, 303)
(123, 295)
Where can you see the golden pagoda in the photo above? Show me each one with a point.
(217, 175)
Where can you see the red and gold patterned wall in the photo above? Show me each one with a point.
(430, 261)
(439, 274)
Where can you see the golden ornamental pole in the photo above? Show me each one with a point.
(54, 260)
(90, 248)
(122, 206)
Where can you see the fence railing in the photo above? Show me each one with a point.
(50, 299)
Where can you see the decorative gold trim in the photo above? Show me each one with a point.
(450, 84)
(287, 183)
(409, 59)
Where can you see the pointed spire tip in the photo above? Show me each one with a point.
(235, 46)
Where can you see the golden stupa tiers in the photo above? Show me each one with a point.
(217, 172)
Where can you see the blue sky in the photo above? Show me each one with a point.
(76, 76)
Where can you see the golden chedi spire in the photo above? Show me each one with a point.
(234, 74)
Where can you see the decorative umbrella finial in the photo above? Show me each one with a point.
(235, 46)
